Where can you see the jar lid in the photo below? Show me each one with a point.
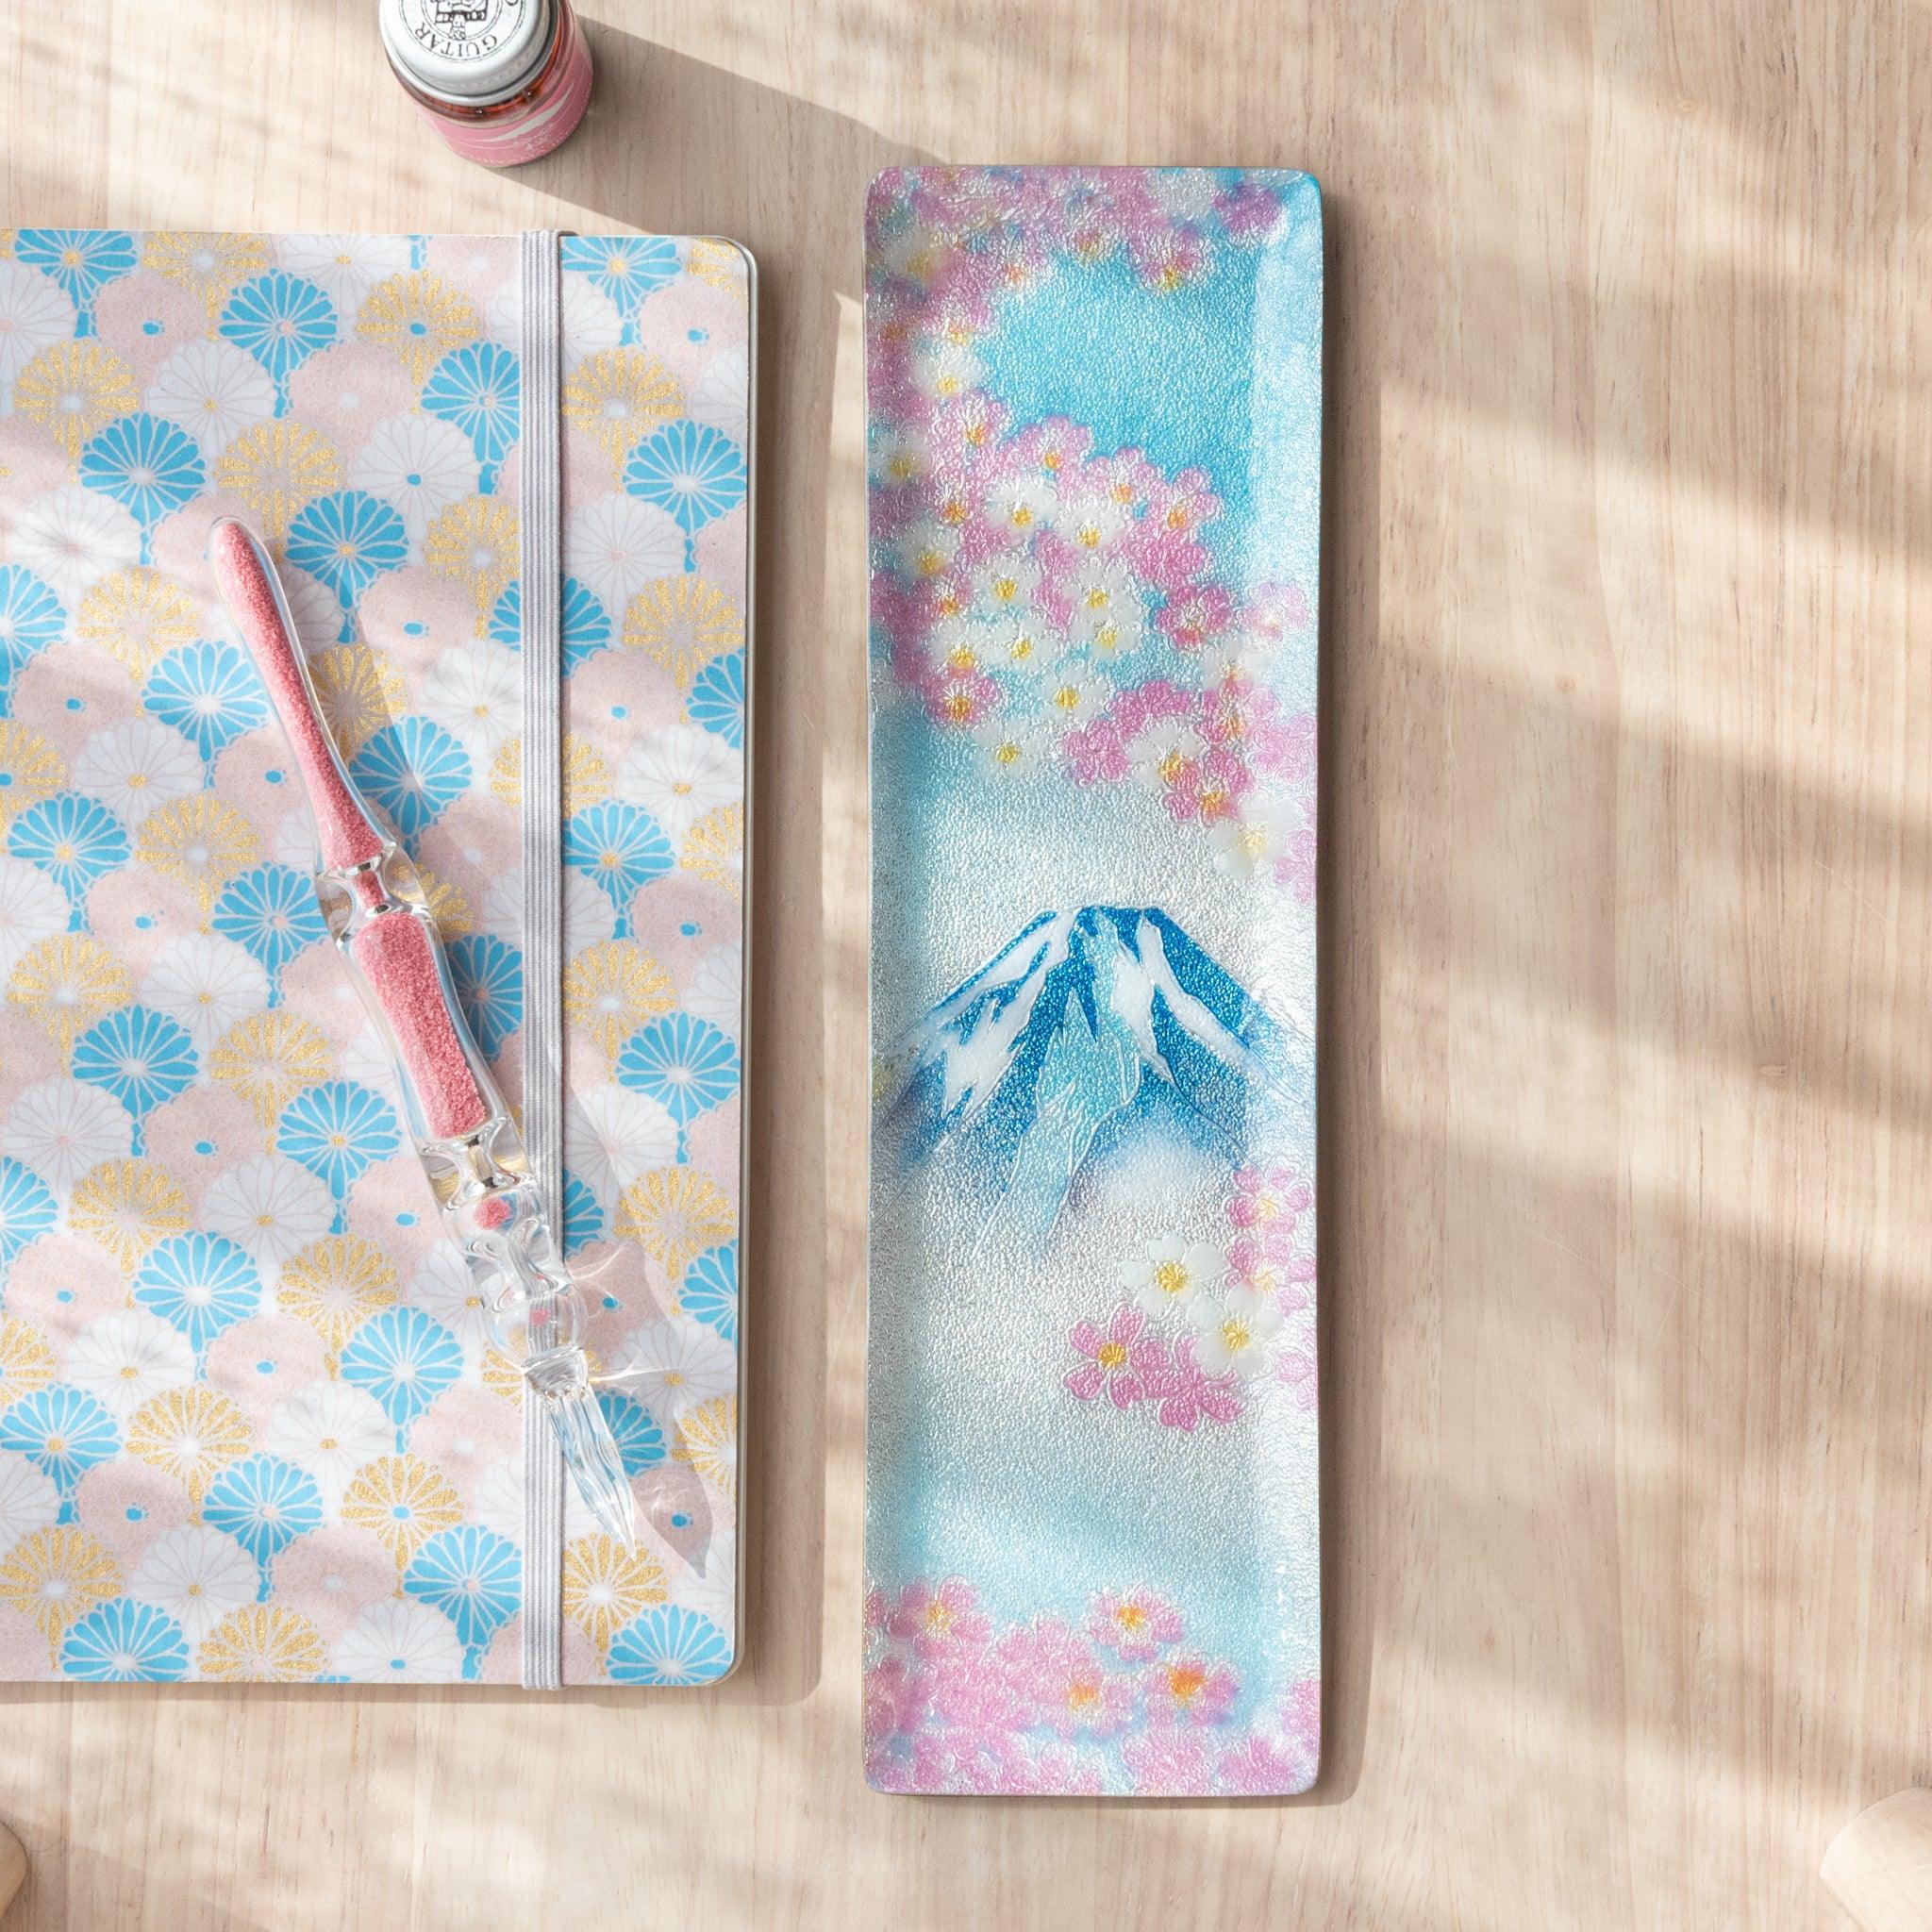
(468, 52)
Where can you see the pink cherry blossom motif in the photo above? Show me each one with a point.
(1188, 1688)
(939, 1620)
(1264, 1196)
(1249, 213)
(1050, 1772)
(1209, 789)
(1135, 1625)
(1186, 1394)
(1119, 1359)
(1197, 618)
(1281, 1754)
(1297, 1367)
(976, 1691)
(1054, 1669)
(897, 1694)
(1169, 1763)
(964, 1760)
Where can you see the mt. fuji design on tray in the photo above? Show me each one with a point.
(1085, 1034)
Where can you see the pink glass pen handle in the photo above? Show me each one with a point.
(468, 1143)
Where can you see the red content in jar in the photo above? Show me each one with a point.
(504, 81)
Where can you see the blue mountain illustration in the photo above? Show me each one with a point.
(1090, 1034)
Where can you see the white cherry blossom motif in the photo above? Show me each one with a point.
(269, 1207)
(35, 310)
(613, 1136)
(1248, 848)
(32, 908)
(197, 1575)
(127, 1358)
(214, 390)
(136, 767)
(1169, 1275)
(331, 1430)
(673, 1364)
(616, 544)
(61, 1127)
(720, 399)
(419, 462)
(679, 774)
(208, 983)
(401, 1641)
(1233, 1331)
(72, 536)
(477, 695)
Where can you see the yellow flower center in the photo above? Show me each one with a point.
(1131, 1617)
(1236, 1335)
(1113, 1355)
(1185, 1682)
(1171, 1277)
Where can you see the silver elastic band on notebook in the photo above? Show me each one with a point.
(539, 458)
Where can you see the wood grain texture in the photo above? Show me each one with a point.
(1627, 1020)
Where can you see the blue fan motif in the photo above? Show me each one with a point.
(621, 847)
(477, 389)
(640, 1440)
(475, 1578)
(74, 839)
(209, 693)
(149, 466)
(141, 1057)
(709, 1290)
(345, 541)
(586, 627)
(124, 1641)
(669, 1645)
(406, 1359)
(200, 1284)
(336, 1131)
(583, 1215)
(27, 1208)
(82, 260)
(626, 267)
(31, 616)
(414, 770)
(717, 698)
(489, 976)
(687, 1065)
(63, 1431)
(281, 321)
(264, 1503)
(690, 470)
(272, 911)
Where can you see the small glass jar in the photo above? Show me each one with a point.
(504, 81)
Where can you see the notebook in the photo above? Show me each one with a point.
(1091, 1530)
(252, 1423)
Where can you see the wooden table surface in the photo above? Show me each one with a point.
(1627, 920)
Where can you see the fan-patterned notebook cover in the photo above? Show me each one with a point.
(251, 1422)
(1094, 409)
